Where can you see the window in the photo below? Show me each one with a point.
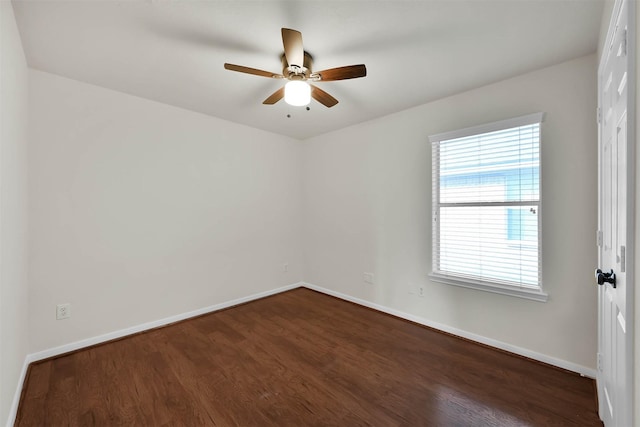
(486, 207)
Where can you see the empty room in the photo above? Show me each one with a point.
(313, 213)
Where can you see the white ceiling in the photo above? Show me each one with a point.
(173, 51)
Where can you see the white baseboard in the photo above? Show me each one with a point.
(13, 411)
(155, 324)
(570, 366)
(55, 351)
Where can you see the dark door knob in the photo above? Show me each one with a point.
(603, 278)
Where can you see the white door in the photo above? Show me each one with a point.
(614, 337)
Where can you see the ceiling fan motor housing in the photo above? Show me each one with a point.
(294, 72)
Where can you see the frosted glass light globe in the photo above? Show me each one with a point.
(297, 93)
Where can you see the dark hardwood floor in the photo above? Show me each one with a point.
(301, 358)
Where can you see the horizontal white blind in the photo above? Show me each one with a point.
(486, 194)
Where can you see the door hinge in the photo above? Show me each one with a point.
(599, 115)
(623, 43)
(599, 362)
(623, 259)
(599, 238)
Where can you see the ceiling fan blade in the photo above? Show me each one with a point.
(293, 49)
(254, 71)
(322, 97)
(343, 73)
(275, 97)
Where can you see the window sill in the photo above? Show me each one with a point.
(531, 294)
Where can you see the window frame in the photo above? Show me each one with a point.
(536, 294)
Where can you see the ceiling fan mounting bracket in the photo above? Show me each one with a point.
(295, 72)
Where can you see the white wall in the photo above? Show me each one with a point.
(636, 368)
(141, 211)
(636, 310)
(13, 209)
(367, 207)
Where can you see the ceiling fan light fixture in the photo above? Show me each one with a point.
(297, 93)
(297, 69)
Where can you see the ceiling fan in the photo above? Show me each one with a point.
(297, 69)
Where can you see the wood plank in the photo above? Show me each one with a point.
(301, 358)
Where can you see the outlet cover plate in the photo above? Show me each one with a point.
(368, 278)
(63, 311)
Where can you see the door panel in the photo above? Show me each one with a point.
(613, 342)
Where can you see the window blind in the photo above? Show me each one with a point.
(486, 205)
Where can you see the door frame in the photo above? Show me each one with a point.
(628, 409)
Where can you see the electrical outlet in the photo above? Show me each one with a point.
(368, 278)
(421, 291)
(63, 311)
